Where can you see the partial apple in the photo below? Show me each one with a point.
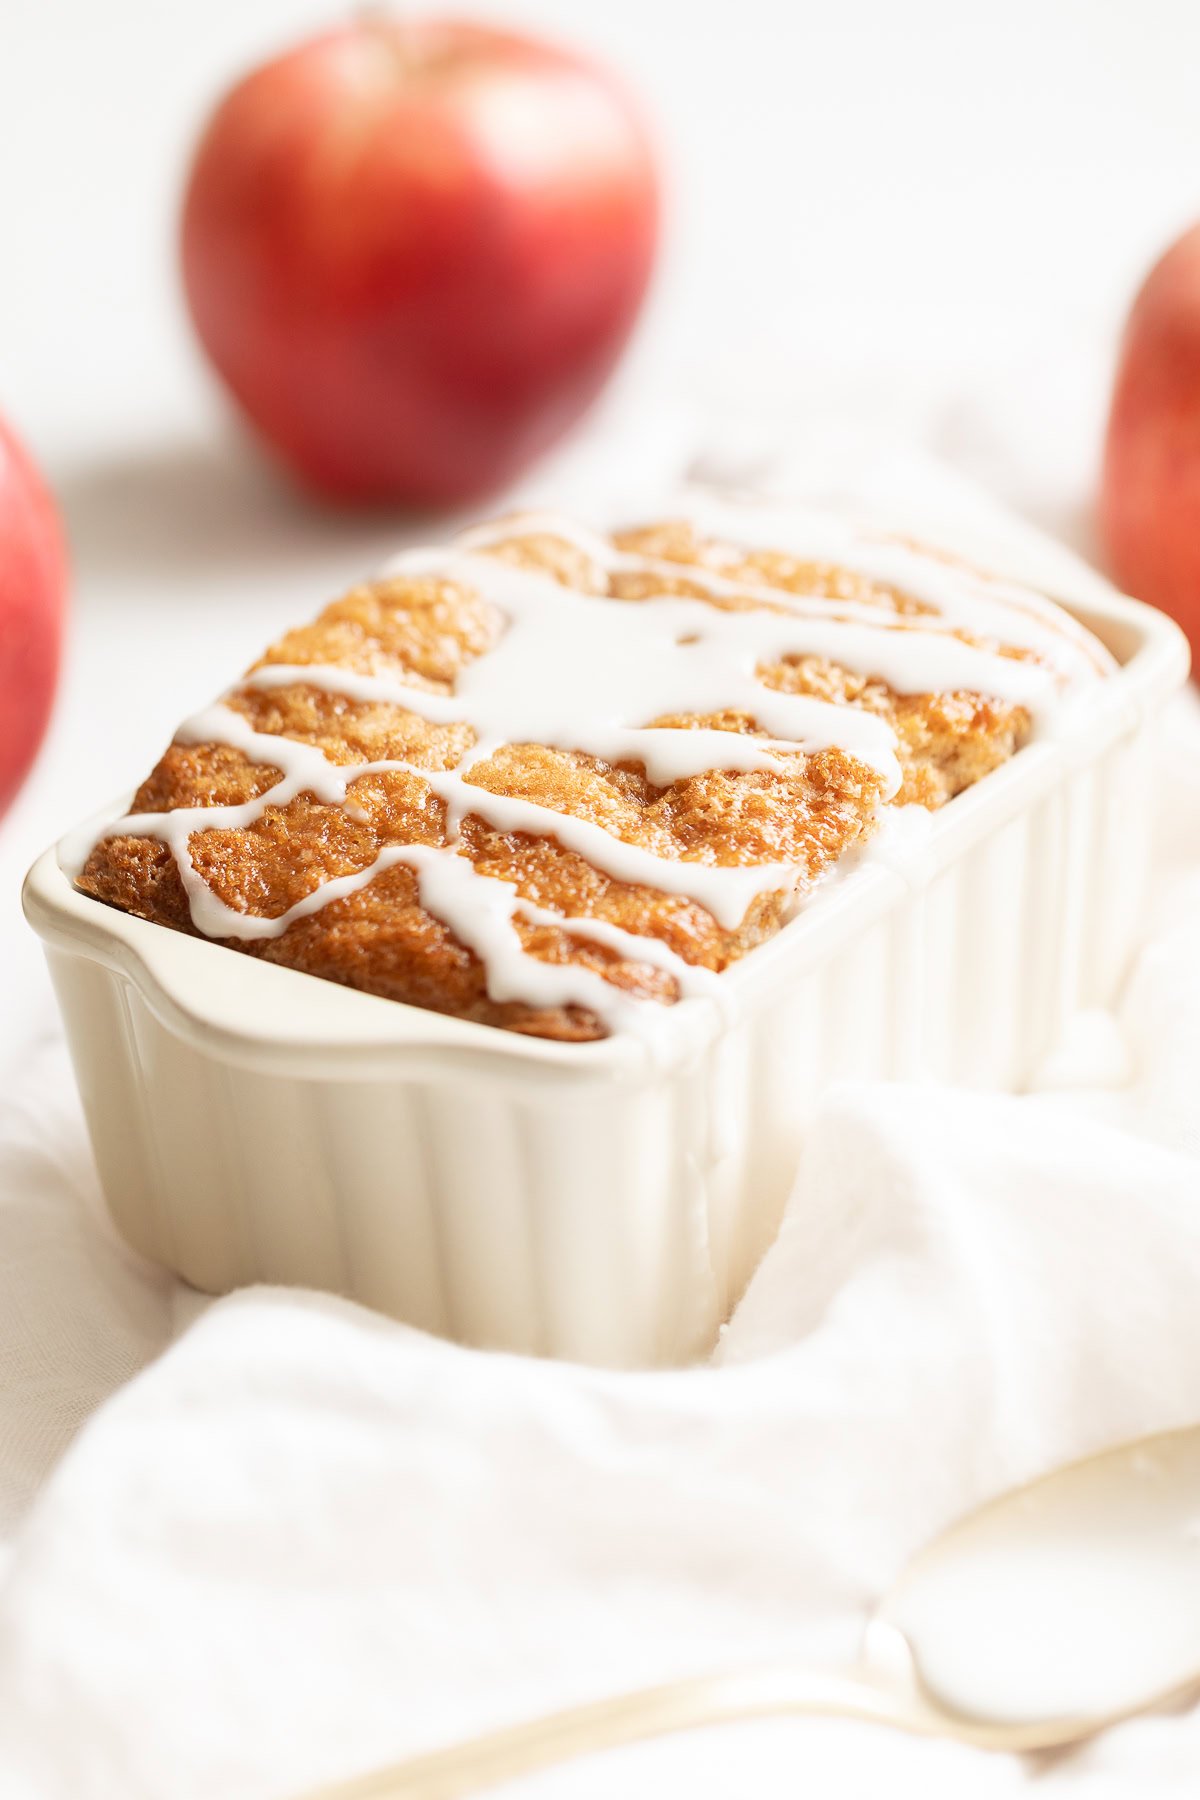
(33, 582)
(414, 251)
(1150, 498)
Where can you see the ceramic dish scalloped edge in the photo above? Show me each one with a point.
(594, 1201)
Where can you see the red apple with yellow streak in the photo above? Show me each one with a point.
(33, 584)
(1150, 497)
(414, 251)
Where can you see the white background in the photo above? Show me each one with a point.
(934, 212)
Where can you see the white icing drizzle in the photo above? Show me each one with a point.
(586, 673)
(580, 672)
(962, 598)
(479, 911)
(667, 755)
(723, 890)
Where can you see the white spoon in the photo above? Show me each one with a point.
(1034, 1622)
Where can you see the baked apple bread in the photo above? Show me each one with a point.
(553, 779)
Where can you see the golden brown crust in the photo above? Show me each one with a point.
(424, 631)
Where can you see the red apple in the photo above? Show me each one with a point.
(415, 250)
(32, 608)
(1150, 498)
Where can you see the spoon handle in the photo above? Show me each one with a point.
(499, 1756)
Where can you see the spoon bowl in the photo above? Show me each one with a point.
(1067, 1603)
(1060, 1608)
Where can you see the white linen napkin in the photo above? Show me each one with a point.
(306, 1540)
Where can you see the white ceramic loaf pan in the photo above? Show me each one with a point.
(251, 1123)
